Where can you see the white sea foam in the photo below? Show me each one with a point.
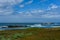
(36, 25)
(3, 26)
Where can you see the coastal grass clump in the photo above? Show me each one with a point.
(20, 35)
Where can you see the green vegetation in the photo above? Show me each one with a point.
(31, 34)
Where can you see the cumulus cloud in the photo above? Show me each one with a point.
(26, 13)
(40, 10)
(51, 12)
(31, 13)
(40, 13)
(26, 3)
(29, 2)
(22, 5)
(52, 6)
(6, 6)
(50, 16)
(6, 11)
(37, 11)
(11, 1)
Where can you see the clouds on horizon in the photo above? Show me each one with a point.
(11, 2)
(6, 8)
(53, 6)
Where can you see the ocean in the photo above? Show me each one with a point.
(29, 25)
(15, 24)
(18, 24)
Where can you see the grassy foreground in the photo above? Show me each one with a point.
(31, 34)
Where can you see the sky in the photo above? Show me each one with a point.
(21, 11)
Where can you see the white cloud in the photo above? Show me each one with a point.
(53, 6)
(11, 2)
(7, 11)
(50, 16)
(19, 1)
(52, 11)
(37, 11)
(31, 13)
(6, 6)
(22, 5)
(40, 14)
(29, 2)
(40, 10)
(28, 13)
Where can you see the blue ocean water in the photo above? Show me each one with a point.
(18, 24)
(24, 24)
(15, 24)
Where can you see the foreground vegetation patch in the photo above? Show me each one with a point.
(31, 34)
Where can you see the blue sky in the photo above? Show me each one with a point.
(14, 11)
